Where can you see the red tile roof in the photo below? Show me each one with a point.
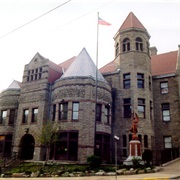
(161, 64)
(131, 22)
(65, 65)
(164, 63)
(110, 67)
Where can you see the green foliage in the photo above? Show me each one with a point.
(94, 161)
(136, 162)
(48, 134)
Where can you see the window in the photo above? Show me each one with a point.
(98, 112)
(151, 110)
(63, 111)
(164, 87)
(147, 45)
(139, 44)
(3, 117)
(140, 80)
(145, 141)
(54, 112)
(126, 81)
(107, 113)
(124, 140)
(75, 113)
(12, 116)
(25, 115)
(34, 74)
(140, 137)
(168, 142)
(102, 149)
(126, 45)
(127, 108)
(117, 49)
(150, 83)
(34, 114)
(66, 146)
(165, 112)
(2, 139)
(141, 107)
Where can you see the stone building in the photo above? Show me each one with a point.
(91, 106)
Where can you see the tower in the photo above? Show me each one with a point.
(135, 80)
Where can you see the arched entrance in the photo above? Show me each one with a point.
(27, 147)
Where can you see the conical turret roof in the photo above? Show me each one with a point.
(83, 66)
(131, 22)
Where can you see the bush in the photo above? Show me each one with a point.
(136, 162)
(94, 161)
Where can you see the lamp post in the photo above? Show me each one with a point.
(116, 139)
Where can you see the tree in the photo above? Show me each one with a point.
(48, 136)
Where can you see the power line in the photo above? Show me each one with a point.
(35, 19)
(87, 13)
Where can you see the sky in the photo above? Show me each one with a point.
(60, 29)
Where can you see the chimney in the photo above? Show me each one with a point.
(153, 51)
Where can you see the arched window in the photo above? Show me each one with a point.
(145, 141)
(126, 45)
(124, 140)
(140, 137)
(117, 49)
(147, 44)
(139, 44)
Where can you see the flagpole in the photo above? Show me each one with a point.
(96, 83)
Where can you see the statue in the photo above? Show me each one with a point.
(135, 120)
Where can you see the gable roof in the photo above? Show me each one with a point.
(65, 65)
(131, 22)
(83, 66)
(164, 63)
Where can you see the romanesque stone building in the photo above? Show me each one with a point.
(91, 106)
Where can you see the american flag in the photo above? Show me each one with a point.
(102, 22)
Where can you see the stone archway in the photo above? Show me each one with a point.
(27, 147)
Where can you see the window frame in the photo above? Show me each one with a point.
(167, 142)
(98, 112)
(127, 81)
(75, 111)
(117, 49)
(139, 44)
(165, 89)
(25, 116)
(165, 107)
(126, 45)
(3, 118)
(63, 111)
(107, 113)
(127, 108)
(140, 80)
(54, 112)
(141, 108)
(34, 118)
(12, 116)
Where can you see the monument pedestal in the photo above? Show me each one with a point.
(134, 152)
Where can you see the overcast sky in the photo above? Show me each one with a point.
(63, 33)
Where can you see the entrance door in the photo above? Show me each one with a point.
(27, 147)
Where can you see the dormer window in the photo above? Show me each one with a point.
(139, 44)
(126, 45)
